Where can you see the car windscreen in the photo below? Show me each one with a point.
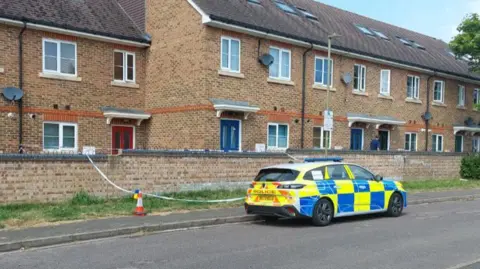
(277, 174)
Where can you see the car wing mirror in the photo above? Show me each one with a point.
(378, 178)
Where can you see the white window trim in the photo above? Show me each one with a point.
(58, 71)
(389, 79)
(476, 138)
(436, 142)
(410, 142)
(442, 100)
(125, 67)
(276, 142)
(463, 140)
(322, 146)
(229, 68)
(478, 95)
(416, 90)
(315, 71)
(462, 87)
(60, 136)
(361, 79)
(280, 50)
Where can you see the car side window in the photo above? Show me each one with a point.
(360, 173)
(315, 174)
(336, 172)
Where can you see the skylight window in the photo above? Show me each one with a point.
(380, 34)
(405, 41)
(254, 2)
(285, 7)
(418, 46)
(364, 30)
(307, 14)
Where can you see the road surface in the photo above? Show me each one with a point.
(437, 236)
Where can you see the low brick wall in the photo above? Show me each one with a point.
(45, 178)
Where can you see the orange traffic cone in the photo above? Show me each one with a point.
(139, 210)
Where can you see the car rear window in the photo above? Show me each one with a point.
(277, 175)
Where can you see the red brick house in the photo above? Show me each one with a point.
(195, 81)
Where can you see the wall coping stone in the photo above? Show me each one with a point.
(214, 154)
(368, 152)
(51, 157)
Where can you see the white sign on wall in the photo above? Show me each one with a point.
(259, 147)
(88, 150)
(328, 120)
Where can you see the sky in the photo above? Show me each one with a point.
(436, 18)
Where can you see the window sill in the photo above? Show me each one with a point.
(59, 77)
(322, 87)
(461, 107)
(360, 93)
(230, 74)
(411, 100)
(125, 84)
(388, 97)
(439, 104)
(281, 81)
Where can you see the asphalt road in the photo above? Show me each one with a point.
(434, 236)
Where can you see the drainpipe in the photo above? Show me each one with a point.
(302, 137)
(427, 120)
(20, 84)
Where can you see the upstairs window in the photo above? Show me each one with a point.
(321, 71)
(405, 41)
(280, 69)
(461, 96)
(476, 97)
(307, 14)
(359, 77)
(254, 1)
(124, 66)
(438, 91)
(413, 87)
(59, 57)
(230, 54)
(380, 34)
(364, 30)
(285, 7)
(385, 82)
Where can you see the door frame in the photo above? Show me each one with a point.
(239, 132)
(363, 137)
(124, 125)
(389, 138)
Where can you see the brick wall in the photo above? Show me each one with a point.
(36, 178)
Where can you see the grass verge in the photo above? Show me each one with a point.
(86, 206)
(440, 185)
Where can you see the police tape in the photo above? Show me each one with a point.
(160, 196)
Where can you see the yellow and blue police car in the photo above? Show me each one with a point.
(322, 189)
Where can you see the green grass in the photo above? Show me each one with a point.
(86, 206)
(439, 185)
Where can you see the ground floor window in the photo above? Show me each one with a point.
(437, 143)
(277, 135)
(459, 143)
(476, 144)
(59, 136)
(411, 141)
(321, 138)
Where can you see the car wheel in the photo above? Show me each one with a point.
(323, 213)
(395, 206)
(270, 219)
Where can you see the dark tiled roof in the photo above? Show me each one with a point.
(135, 10)
(101, 17)
(106, 109)
(268, 17)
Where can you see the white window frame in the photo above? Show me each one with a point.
(362, 78)
(59, 59)
(476, 140)
(436, 136)
(276, 142)
(478, 96)
(387, 93)
(410, 141)
(455, 142)
(461, 93)
(229, 68)
(442, 92)
(416, 90)
(323, 83)
(125, 67)
(322, 146)
(280, 50)
(60, 136)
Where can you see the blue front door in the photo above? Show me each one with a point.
(230, 135)
(356, 139)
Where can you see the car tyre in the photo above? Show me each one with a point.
(395, 205)
(322, 213)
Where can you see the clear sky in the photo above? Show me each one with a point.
(437, 18)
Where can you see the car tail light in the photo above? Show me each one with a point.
(291, 186)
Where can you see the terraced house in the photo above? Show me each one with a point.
(231, 75)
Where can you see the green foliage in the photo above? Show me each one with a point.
(470, 168)
(467, 42)
(84, 198)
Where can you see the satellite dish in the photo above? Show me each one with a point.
(266, 59)
(347, 78)
(427, 116)
(12, 93)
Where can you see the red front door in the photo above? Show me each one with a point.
(122, 138)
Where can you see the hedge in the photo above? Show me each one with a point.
(470, 168)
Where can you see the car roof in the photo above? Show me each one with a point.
(302, 166)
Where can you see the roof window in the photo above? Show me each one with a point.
(254, 2)
(418, 46)
(380, 34)
(285, 7)
(307, 14)
(405, 41)
(364, 30)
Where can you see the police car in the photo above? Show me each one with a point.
(322, 189)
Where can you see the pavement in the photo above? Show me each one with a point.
(438, 236)
(11, 240)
